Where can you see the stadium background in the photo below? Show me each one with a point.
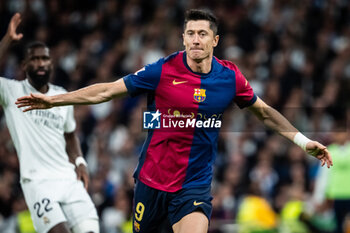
(295, 54)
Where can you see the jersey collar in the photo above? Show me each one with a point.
(212, 70)
(33, 90)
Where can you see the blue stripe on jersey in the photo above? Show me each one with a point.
(142, 156)
(151, 106)
(219, 89)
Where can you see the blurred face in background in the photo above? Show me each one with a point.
(199, 40)
(38, 66)
(340, 137)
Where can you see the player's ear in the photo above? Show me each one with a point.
(183, 39)
(216, 40)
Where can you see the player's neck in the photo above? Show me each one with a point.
(43, 88)
(200, 66)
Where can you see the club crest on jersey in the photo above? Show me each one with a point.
(199, 94)
(136, 226)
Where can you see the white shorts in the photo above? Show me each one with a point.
(54, 201)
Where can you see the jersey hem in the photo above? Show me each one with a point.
(159, 187)
(169, 190)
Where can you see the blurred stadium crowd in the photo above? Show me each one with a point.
(295, 54)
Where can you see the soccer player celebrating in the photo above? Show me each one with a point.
(54, 188)
(174, 173)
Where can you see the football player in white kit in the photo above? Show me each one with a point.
(54, 188)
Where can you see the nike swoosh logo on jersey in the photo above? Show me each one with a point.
(176, 83)
(195, 203)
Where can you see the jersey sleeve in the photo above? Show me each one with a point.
(245, 96)
(146, 79)
(70, 124)
(3, 89)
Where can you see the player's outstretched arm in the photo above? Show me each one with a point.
(274, 120)
(93, 94)
(11, 34)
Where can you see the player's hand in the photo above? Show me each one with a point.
(82, 174)
(34, 101)
(11, 30)
(319, 151)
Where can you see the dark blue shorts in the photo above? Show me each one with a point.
(152, 206)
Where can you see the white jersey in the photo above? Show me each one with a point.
(38, 135)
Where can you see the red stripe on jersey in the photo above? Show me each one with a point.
(168, 153)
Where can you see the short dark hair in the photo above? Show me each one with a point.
(195, 14)
(34, 45)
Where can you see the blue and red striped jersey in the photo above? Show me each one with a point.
(180, 157)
